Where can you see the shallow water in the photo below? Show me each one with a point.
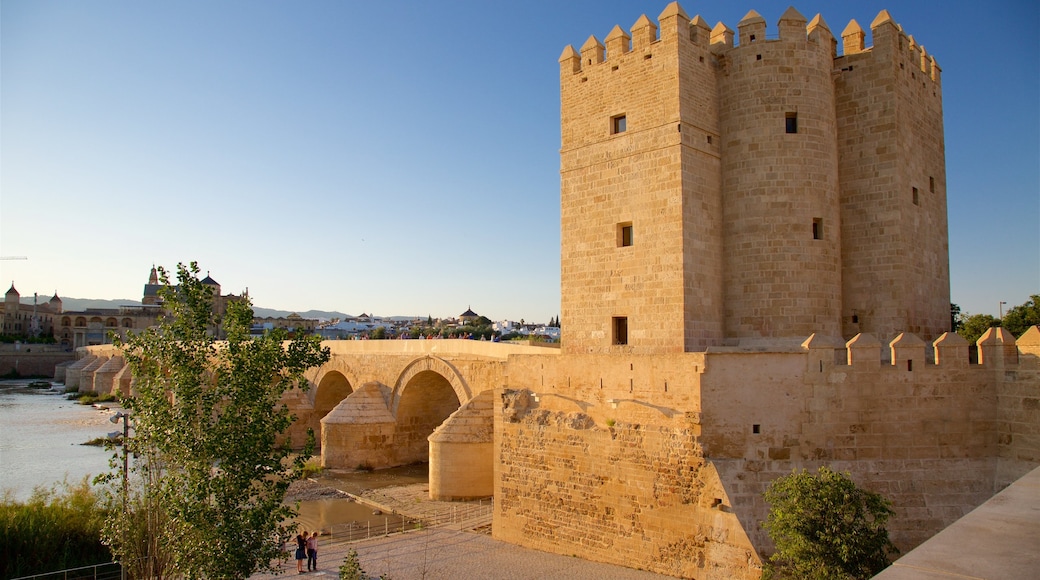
(41, 436)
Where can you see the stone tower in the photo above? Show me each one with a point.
(714, 191)
(894, 238)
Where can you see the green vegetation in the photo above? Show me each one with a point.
(351, 568)
(90, 397)
(54, 530)
(13, 338)
(481, 328)
(826, 528)
(973, 326)
(312, 467)
(1016, 321)
(204, 496)
(1021, 317)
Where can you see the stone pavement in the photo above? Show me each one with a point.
(445, 554)
(450, 550)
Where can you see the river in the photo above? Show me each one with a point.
(41, 445)
(41, 437)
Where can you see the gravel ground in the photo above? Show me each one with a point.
(308, 490)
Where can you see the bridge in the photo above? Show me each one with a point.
(382, 403)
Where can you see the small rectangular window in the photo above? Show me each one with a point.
(624, 234)
(792, 122)
(617, 124)
(817, 229)
(917, 198)
(620, 330)
(931, 184)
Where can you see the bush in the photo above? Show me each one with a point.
(825, 527)
(55, 529)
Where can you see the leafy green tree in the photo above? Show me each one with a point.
(207, 419)
(973, 326)
(825, 527)
(378, 333)
(1020, 318)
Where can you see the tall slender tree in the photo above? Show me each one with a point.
(208, 421)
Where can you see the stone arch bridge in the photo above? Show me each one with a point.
(383, 403)
(386, 403)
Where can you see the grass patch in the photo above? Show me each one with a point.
(312, 467)
(91, 397)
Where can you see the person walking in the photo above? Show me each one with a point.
(312, 552)
(301, 551)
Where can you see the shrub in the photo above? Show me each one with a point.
(825, 527)
(55, 529)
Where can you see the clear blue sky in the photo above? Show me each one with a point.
(401, 158)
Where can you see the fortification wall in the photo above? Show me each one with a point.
(607, 462)
(637, 495)
(1018, 419)
(926, 438)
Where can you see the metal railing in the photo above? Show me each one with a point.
(108, 571)
(478, 514)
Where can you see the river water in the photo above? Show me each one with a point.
(41, 436)
(41, 445)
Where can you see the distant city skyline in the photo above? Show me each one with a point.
(402, 159)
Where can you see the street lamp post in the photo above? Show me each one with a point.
(125, 418)
(1000, 305)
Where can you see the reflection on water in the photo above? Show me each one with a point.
(324, 513)
(358, 481)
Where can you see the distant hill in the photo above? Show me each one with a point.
(319, 314)
(80, 304)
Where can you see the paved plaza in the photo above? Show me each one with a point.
(442, 553)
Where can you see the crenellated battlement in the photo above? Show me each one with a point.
(996, 349)
(752, 29)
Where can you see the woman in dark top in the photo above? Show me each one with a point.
(301, 552)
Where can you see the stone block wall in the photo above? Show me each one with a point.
(895, 235)
(605, 435)
(29, 361)
(637, 495)
(462, 452)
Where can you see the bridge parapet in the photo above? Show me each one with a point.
(439, 347)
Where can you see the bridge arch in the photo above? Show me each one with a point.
(429, 364)
(425, 394)
(331, 388)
